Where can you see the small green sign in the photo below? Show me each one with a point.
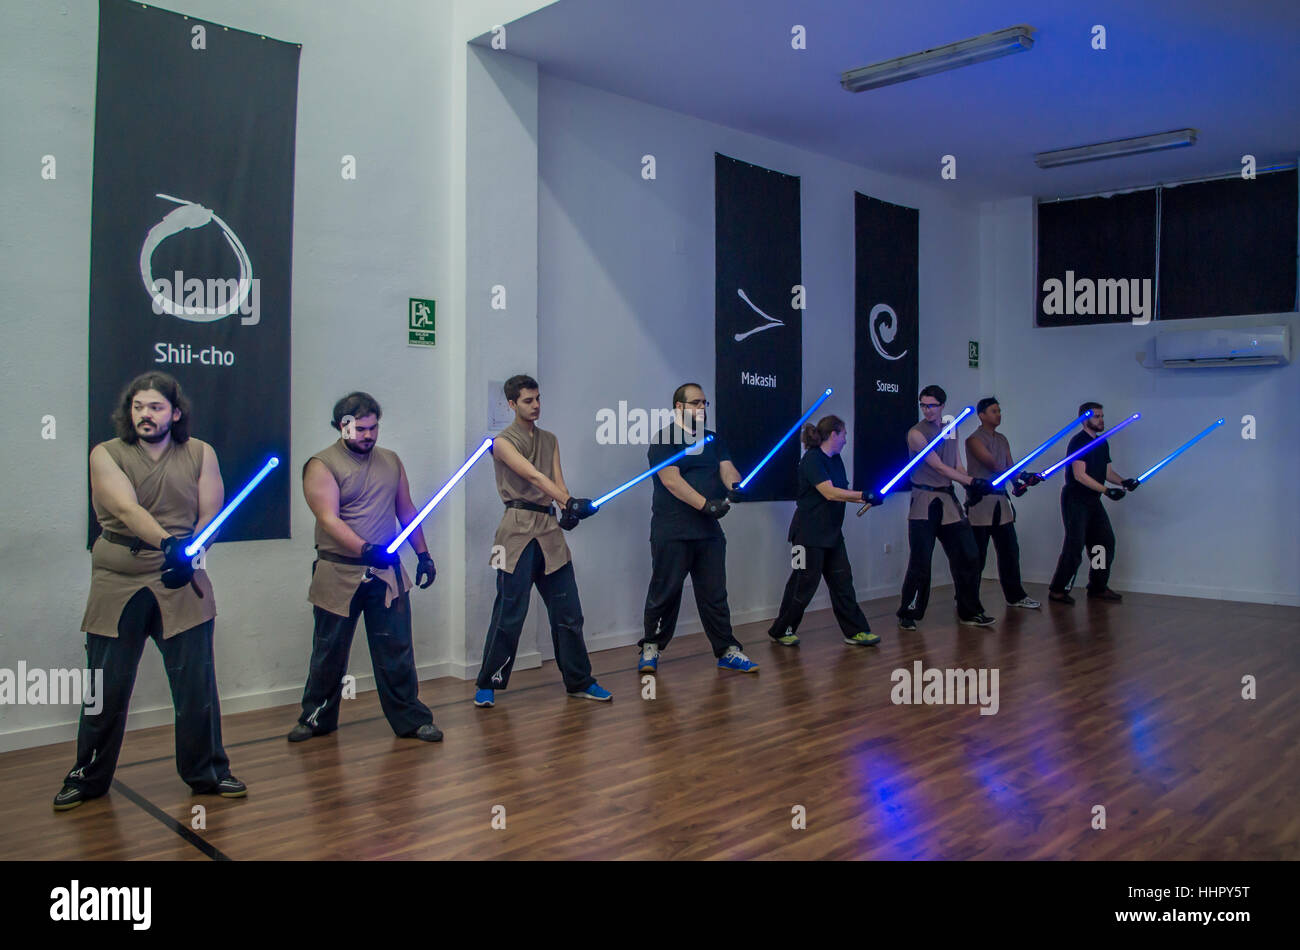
(973, 353)
(419, 322)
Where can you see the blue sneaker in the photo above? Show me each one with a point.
(649, 659)
(733, 659)
(484, 697)
(594, 691)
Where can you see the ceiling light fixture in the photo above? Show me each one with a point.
(977, 49)
(1137, 146)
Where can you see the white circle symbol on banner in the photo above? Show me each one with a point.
(889, 329)
(187, 217)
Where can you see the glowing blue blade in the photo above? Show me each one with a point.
(1040, 450)
(644, 475)
(943, 433)
(1180, 450)
(193, 547)
(1090, 446)
(451, 483)
(793, 429)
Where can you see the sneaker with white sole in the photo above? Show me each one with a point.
(1027, 602)
(649, 659)
(788, 639)
(594, 691)
(734, 659)
(864, 639)
(979, 620)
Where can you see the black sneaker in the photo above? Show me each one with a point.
(1059, 597)
(300, 733)
(979, 620)
(426, 733)
(69, 797)
(1106, 594)
(228, 787)
(907, 623)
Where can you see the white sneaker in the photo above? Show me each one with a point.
(1028, 602)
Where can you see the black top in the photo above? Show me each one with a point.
(817, 520)
(1094, 462)
(671, 519)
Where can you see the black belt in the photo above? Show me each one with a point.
(529, 506)
(127, 541)
(337, 558)
(948, 490)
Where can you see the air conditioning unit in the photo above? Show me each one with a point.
(1251, 346)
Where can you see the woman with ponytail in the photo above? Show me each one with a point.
(818, 541)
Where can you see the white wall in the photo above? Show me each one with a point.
(1219, 522)
(378, 81)
(625, 312)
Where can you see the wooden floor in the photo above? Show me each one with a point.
(1135, 706)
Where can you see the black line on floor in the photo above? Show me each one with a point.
(210, 850)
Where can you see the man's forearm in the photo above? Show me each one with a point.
(143, 525)
(345, 536)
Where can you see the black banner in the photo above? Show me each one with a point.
(886, 312)
(758, 328)
(191, 237)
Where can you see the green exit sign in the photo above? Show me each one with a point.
(973, 353)
(419, 322)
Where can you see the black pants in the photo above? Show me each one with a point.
(388, 631)
(1007, 547)
(832, 564)
(559, 592)
(1086, 525)
(191, 673)
(958, 542)
(705, 560)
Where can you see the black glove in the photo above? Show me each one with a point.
(1115, 494)
(1130, 484)
(736, 494)
(872, 498)
(178, 567)
(376, 555)
(580, 507)
(716, 507)
(1031, 479)
(425, 572)
(1018, 486)
(977, 489)
(568, 520)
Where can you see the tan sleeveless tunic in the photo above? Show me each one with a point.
(518, 526)
(367, 504)
(997, 445)
(169, 490)
(924, 476)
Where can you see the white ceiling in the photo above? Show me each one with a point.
(1228, 69)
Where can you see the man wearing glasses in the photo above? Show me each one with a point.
(936, 513)
(690, 497)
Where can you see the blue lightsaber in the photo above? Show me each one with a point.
(1090, 446)
(644, 475)
(1040, 450)
(943, 433)
(793, 429)
(194, 546)
(451, 483)
(1180, 450)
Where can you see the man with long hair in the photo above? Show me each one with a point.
(153, 488)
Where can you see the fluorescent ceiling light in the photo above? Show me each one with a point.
(1137, 146)
(977, 49)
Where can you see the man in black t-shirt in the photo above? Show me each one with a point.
(690, 496)
(1086, 522)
